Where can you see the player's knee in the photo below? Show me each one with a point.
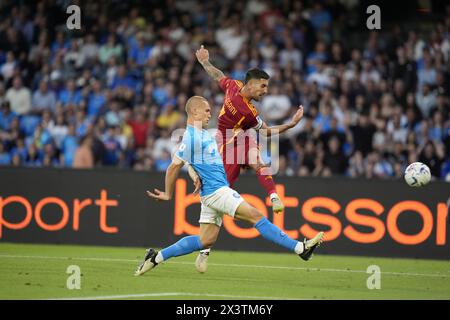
(255, 215)
(261, 168)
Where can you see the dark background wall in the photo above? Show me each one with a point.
(358, 215)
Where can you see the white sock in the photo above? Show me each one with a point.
(205, 251)
(159, 258)
(299, 248)
(273, 195)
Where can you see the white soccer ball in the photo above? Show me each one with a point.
(417, 174)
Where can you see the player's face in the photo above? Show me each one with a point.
(205, 114)
(258, 88)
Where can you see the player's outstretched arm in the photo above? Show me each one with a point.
(203, 58)
(282, 128)
(171, 176)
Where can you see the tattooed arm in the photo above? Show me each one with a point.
(203, 58)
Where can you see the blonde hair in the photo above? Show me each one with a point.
(193, 102)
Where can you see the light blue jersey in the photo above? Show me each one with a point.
(199, 149)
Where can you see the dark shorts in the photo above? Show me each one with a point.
(235, 156)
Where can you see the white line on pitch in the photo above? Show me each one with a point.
(173, 294)
(230, 265)
(66, 258)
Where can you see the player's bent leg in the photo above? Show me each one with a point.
(248, 213)
(210, 222)
(182, 247)
(271, 232)
(267, 229)
(208, 236)
(265, 179)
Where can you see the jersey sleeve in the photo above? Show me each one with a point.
(252, 122)
(182, 153)
(185, 150)
(190, 148)
(225, 83)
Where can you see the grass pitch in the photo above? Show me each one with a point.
(29, 271)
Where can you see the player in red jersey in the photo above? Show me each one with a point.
(238, 114)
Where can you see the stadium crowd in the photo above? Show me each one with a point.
(112, 93)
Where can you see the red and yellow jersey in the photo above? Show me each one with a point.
(237, 113)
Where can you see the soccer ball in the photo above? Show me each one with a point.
(417, 174)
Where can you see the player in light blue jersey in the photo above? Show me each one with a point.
(199, 150)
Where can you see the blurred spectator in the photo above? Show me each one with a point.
(70, 94)
(58, 130)
(163, 144)
(335, 159)
(43, 99)
(320, 17)
(275, 105)
(33, 158)
(445, 170)
(368, 73)
(426, 100)
(356, 165)
(319, 75)
(141, 127)
(7, 68)
(122, 79)
(168, 118)
(432, 154)
(397, 131)
(5, 157)
(109, 50)
(333, 131)
(163, 162)
(68, 146)
(363, 133)
(96, 99)
(19, 97)
(49, 158)
(6, 116)
(290, 54)
(382, 168)
(427, 73)
(84, 157)
(113, 149)
(230, 39)
(140, 52)
(318, 56)
(89, 51)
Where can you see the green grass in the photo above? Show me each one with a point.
(39, 272)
